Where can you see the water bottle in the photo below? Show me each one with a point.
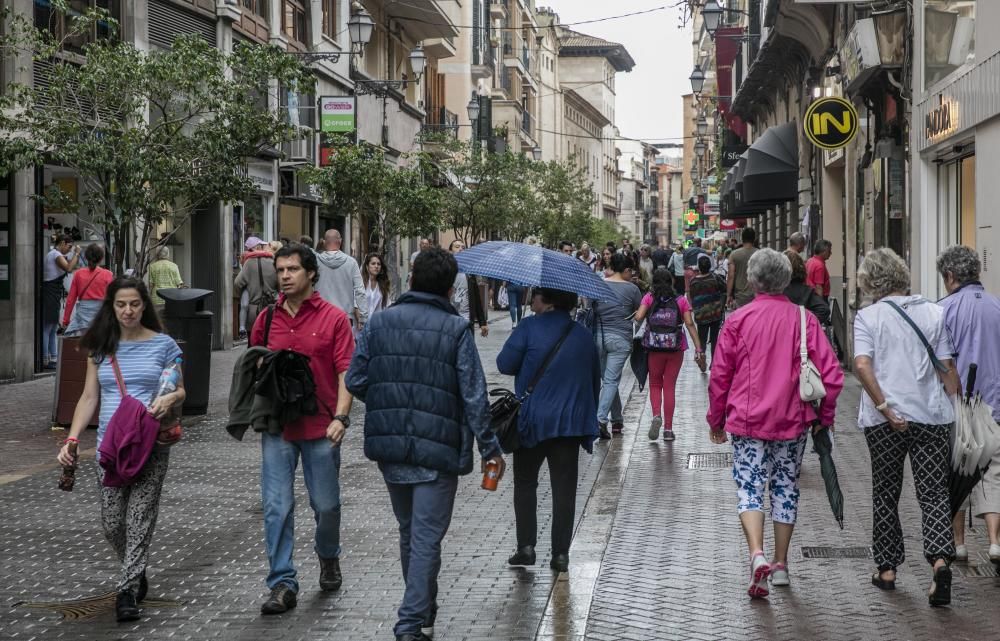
(169, 379)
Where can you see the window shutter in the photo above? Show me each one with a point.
(167, 21)
(477, 27)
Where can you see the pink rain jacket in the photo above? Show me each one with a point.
(127, 443)
(754, 389)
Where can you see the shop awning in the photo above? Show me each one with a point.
(771, 174)
(737, 204)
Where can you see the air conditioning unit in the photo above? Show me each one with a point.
(300, 150)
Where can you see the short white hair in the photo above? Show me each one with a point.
(769, 272)
(883, 272)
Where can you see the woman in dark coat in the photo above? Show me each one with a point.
(801, 294)
(556, 420)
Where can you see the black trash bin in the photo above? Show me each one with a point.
(186, 320)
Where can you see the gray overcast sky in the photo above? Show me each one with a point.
(648, 104)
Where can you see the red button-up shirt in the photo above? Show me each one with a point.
(323, 333)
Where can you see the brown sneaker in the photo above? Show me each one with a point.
(617, 428)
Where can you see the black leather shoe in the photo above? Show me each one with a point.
(412, 636)
(281, 600)
(560, 563)
(125, 607)
(330, 578)
(524, 556)
(605, 434)
(140, 596)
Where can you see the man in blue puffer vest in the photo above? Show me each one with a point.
(417, 369)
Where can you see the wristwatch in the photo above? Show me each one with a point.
(343, 418)
(883, 406)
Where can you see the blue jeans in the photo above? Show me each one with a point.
(614, 352)
(321, 469)
(423, 511)
(514, 294)
(50, 343)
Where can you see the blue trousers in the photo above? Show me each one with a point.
(321, 469)
(423, 511)
(614, 352)
(515, 293)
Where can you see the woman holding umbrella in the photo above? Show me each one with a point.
(903, 357)
(754, 396)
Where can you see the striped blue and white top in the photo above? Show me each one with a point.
(141, 363)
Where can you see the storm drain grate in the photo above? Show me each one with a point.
(977, 571)
(825, 552)
(710, 461)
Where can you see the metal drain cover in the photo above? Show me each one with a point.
(975, 571)
(710, 461)
(823, 552)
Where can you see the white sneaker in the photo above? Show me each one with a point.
(995, 552)
(779, 575)
(961, 553)
(654, 428)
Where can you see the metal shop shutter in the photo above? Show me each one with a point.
(167, 21)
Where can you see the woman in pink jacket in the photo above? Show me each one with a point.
(754, 396)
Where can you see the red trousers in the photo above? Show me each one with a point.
(664, 367)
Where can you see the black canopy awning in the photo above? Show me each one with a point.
(771, 174)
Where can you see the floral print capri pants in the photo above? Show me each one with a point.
(758, 463)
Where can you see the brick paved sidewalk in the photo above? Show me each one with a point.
(208, 564)
(676, 565)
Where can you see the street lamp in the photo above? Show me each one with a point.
(418, 61)
(697, 79)
(473, 107)
(711, 13)
(700, 147)
(702, 125)
(360, 27)
(536, 153)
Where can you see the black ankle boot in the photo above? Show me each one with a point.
(140, 595)
(560, 563)
(525, 555)
(125, 607)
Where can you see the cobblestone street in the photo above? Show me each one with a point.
(658, 553)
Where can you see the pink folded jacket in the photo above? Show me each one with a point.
(128, 442)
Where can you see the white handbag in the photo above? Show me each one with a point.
(811, 387)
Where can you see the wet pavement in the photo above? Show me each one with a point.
(657, 554)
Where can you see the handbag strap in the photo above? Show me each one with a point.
(90, 282)
(548, 359)
(803, 351)
(267, 325)
(935, 361)
(118, 377)
(260, 276)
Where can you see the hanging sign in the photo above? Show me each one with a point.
(830, 123)
(337, 114)
(691, 217)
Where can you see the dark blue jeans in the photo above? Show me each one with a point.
(515, 295)
(423, 511)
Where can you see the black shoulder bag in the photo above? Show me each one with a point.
(266, 297)
(504, 411)
(938, 365)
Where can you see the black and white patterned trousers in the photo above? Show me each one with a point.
(929, 449)
(128, 515)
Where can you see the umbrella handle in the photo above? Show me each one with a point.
(970, 380)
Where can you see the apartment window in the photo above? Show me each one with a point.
(293, 21)
(330, 19)
(949, 37)
(256, 7)
(59, 24)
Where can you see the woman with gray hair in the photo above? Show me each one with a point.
(903, 357)
(972, 316)
(754, 396)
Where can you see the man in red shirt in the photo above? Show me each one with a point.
(817, 276)
(305, 323)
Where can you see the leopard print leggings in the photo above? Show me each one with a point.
(128, 515)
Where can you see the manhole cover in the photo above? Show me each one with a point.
(822, 552)
(977, 571)
(710, 461)
(92, 607)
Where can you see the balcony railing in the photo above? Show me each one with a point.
(527, 124)
(507, 81)
(440, 121)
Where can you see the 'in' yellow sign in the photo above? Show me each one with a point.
(831, 123)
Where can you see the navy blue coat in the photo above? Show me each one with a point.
(564, 403)
(407, 368)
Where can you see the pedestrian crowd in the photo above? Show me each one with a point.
(323, 330)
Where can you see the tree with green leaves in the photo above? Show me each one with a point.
(393, 201)
(152, 135)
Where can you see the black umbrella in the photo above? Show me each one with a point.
(824, 448)
(961, 481)
(639, 360)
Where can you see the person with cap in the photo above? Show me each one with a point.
(257, 282)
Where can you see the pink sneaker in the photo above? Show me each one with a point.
(759, 571)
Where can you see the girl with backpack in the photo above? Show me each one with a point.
(666, 314)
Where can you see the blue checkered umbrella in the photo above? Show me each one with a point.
(533, 266)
